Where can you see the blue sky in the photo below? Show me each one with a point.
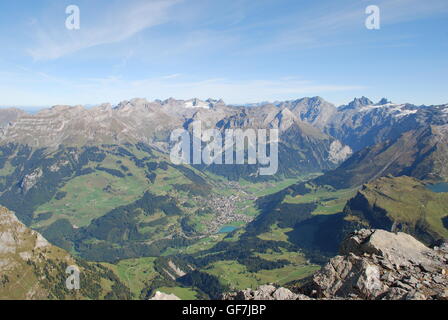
(238, 50)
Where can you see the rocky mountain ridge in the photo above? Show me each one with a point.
(303, 146)
(137, 120)
(318, 134)
(357, 124)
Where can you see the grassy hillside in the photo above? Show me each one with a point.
(31, 268)
(400, 203)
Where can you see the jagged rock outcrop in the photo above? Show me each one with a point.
(376, 264)
(372, 265)
(164, 296)
(30, 180)
(15, 238)
(265, 292)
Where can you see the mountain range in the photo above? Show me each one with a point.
(98, 183)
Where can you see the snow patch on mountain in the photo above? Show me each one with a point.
(398, 110)
(196, 104)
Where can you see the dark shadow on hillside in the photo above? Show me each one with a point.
(445, 222)
(319, 234)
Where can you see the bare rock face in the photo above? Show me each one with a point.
(339, 152)
(376, 264)
(164, 296)
(15, 237)
(265, 292)
(400, 249)
(30, 180)
(373, 265)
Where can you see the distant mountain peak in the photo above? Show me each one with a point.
(191, 103)
(124, 105)
(383, 101)
(316, 100)
(361, 102)
(214, 101)
(357, 103)
(311, 101)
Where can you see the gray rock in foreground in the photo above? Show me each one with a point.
(164, 296)
(265, 292)
(373, 265)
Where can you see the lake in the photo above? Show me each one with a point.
(438, 187)
(227, 229)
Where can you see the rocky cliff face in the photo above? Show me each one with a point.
(372, 265)
(164, 296)
(17, 240)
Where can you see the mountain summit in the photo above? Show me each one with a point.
(357, 103)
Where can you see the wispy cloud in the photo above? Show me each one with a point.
(184, 44)
(322, 25)
(113, 24)
(309, 28)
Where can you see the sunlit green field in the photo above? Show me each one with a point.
(275, 234)
(91, 196)
(236, 276)
(135, 273)
(328, 201)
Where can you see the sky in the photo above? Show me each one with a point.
(242, 51)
